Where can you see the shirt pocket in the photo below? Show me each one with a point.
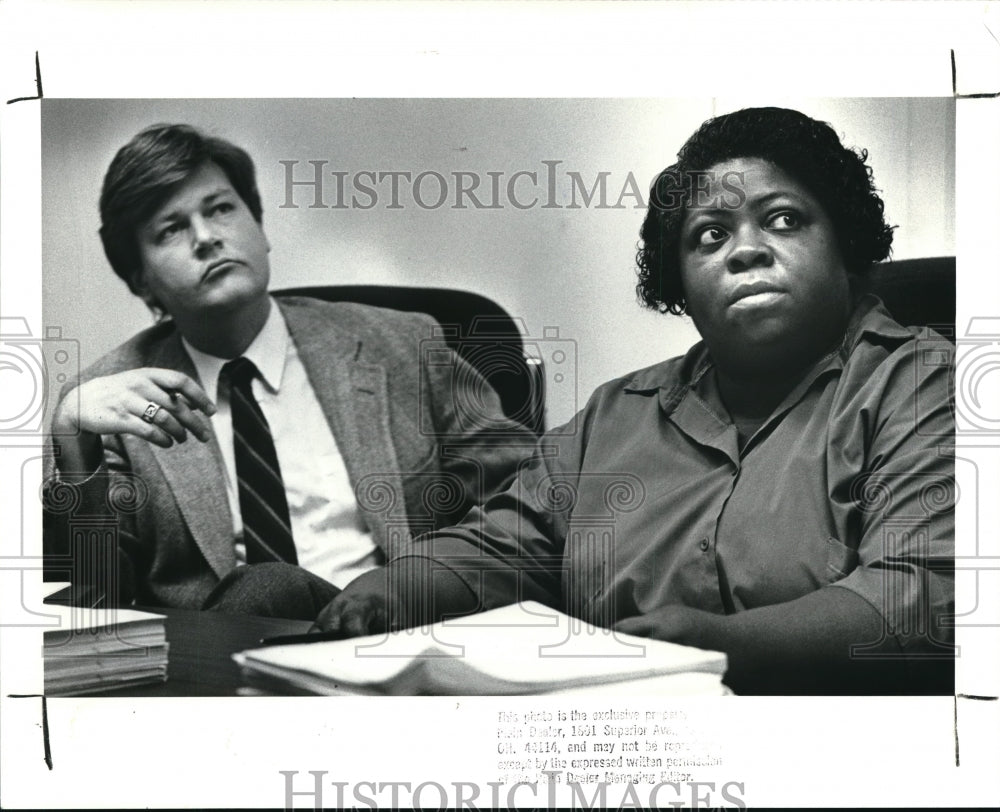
(841, 560)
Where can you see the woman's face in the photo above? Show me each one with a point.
(762, 274)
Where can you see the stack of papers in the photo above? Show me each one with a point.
(524, 648)
(100, 649)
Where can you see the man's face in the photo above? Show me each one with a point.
(763, 280)
(202, 250)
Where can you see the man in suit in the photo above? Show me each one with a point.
(247, 454)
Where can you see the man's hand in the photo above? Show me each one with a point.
(360, 609)
(115, 404)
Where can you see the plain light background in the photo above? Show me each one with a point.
(567, 268)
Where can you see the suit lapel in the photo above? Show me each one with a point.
(196, 475)
(354, 397)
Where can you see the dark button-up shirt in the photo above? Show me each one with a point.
(645, 499)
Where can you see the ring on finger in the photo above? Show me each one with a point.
(149, 415)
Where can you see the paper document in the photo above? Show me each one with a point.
(97, 649)
(524, 648)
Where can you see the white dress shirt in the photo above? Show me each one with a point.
(331, 540)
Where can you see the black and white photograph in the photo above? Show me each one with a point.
(402, 444)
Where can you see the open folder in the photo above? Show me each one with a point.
(524, 648)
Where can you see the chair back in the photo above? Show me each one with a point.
(475, 327)
(918, 291)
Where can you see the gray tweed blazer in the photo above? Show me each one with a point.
(422, 435)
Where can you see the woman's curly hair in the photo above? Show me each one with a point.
(806, 149)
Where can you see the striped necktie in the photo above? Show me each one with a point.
(267, 529)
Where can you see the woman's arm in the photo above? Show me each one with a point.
(509, 549)
(831, 641)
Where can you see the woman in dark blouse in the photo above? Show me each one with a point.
(783, 492)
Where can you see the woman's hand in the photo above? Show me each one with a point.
(360, 609)
(115, 404)
(676, 624)
(407, 592)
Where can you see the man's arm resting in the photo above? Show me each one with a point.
(803, 646)
(115, 404)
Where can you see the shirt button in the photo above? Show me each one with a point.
(703, 544)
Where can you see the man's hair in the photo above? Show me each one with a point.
(147, 170)
(808, 150)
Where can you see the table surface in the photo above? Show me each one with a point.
(200, 661)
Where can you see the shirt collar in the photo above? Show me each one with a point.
(677, 376)
(267, 351)
(870, 317)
